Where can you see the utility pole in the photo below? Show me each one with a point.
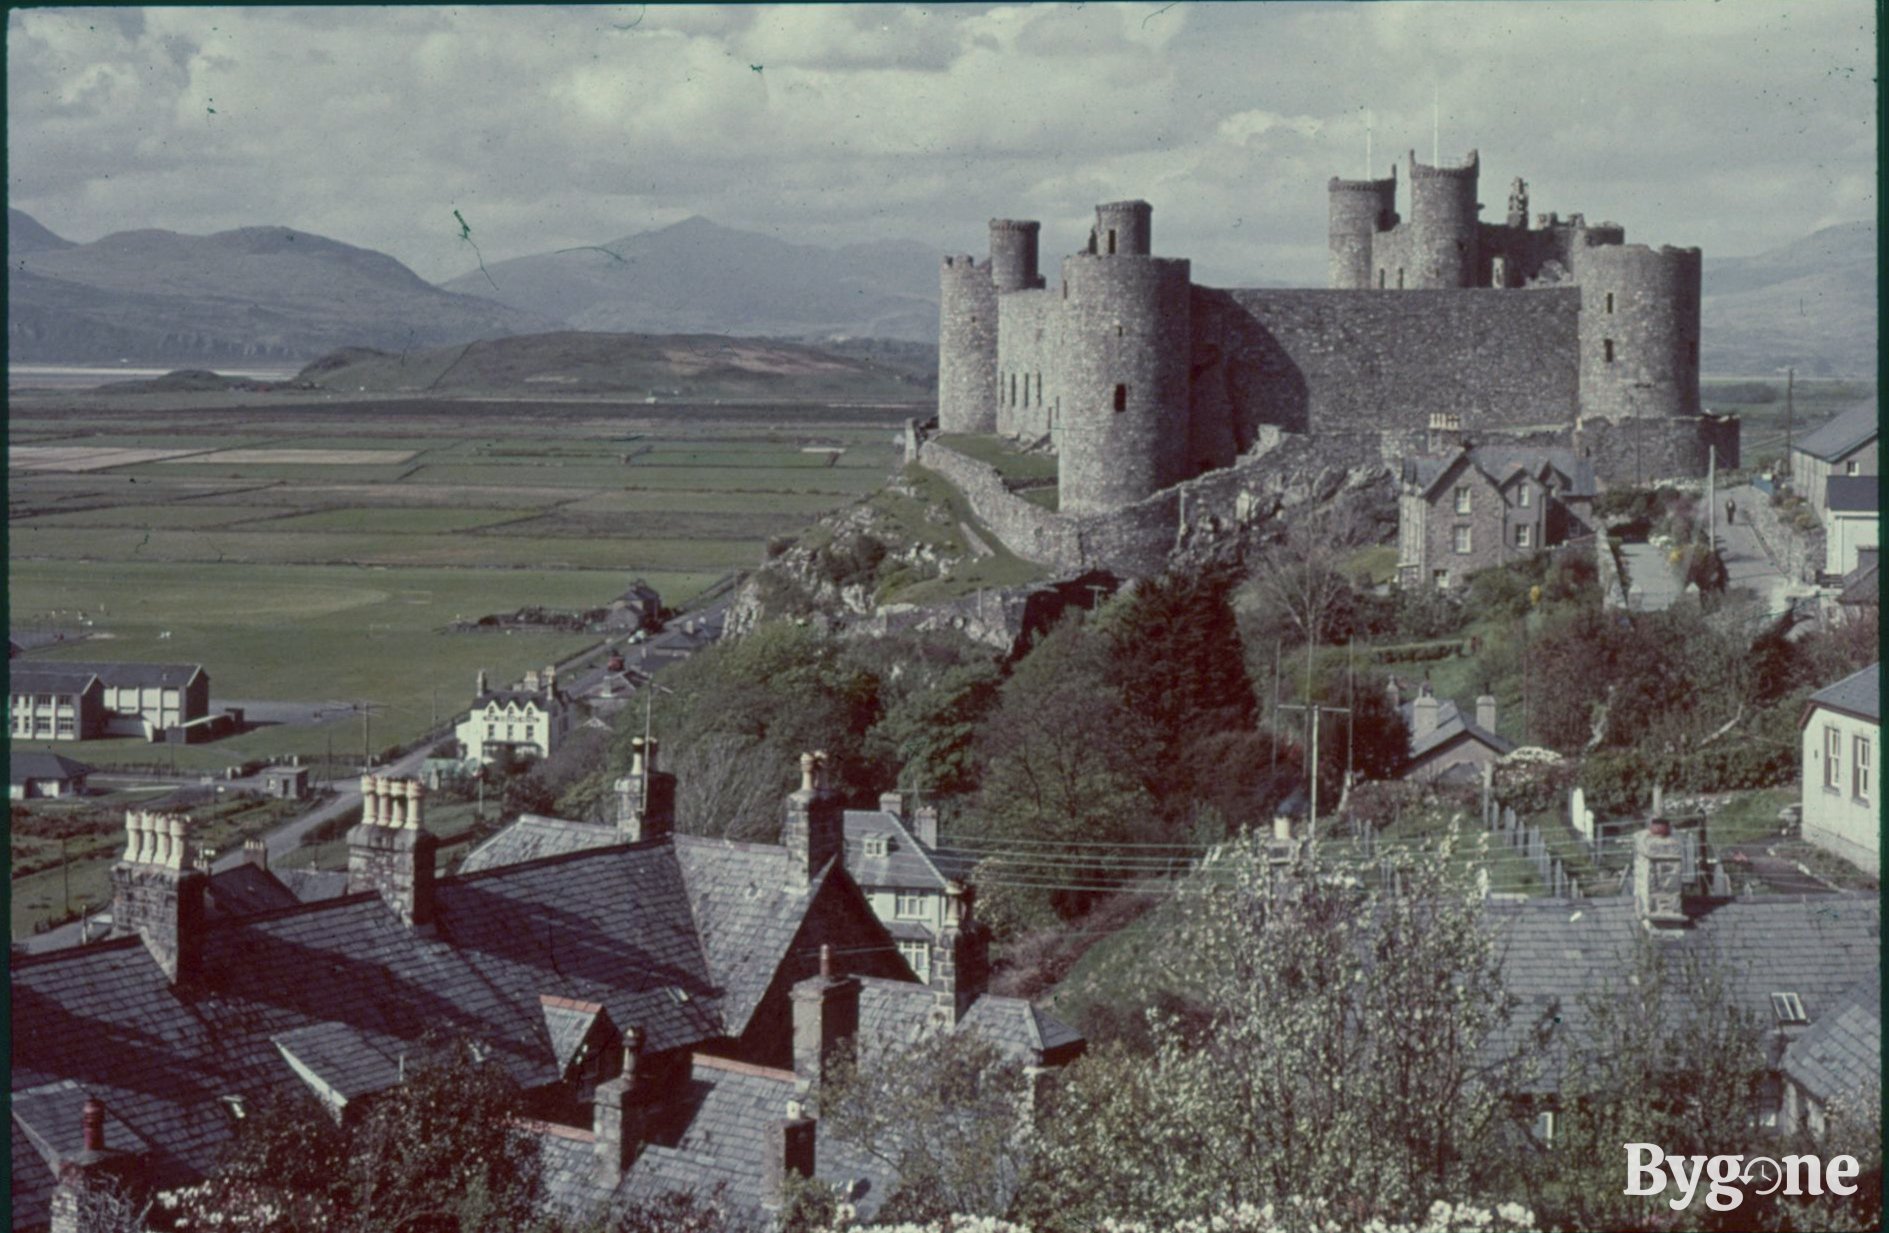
(1311, 826)
(1711, 496)
(1272, 720)
(1790, 415)
(65, 873)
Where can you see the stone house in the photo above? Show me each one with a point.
(32, 775)
(527, 722)
(1841, 731)
(55, 702)
(1794, 961)
(1845, 446)
(666, 1001)
(1445, 743)
(1469, 509)
(1836, 1064)
(893, 853)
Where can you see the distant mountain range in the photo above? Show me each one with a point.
(276, 294)
(254, 294)
(699, 277)
(1809, 304)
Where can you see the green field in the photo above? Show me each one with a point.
(1767, 417)
(306, 578)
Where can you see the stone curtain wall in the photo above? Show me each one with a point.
(1330, 361)
(1799, 555)
(1640, 451)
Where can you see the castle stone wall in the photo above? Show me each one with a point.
(1639, 344)
(1336, 361)
(1360, 209)
(1124, 229)
(1013, 254)
(1128, 340)
(1443, 224)
(1029, 330)
(1637, 451)
(967, 347)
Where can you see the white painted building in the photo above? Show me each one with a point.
(528, 722)
(892, 853)
(1842, 748)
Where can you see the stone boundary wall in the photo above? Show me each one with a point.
(1653, 448)
(1799, 555)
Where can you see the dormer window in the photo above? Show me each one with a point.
(1789, 1009)
(875, 845)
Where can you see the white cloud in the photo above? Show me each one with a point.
(1731, 126)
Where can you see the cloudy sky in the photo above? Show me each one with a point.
(1734, 126)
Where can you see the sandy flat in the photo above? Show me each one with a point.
(82, 457)
(353, 458)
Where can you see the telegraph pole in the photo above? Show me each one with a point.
(1311, 826)
(1790, 416)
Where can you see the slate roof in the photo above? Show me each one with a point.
(246, 890)
(709, 1136)
(1501, 463)
(48, 679)
(1451, 726)
(1852, 494)
(45, 1130)
(892, 1010)
(534, 836)
(569, 1022)
(143, 676)
(31, 764)
(1859, 694)
(1558, 953)
(1864, 586)
(313, 885)
(504, 697)
(1840, 1055)
(1842, 434)
(341, 1062)
(905, 866)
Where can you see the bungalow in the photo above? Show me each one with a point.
(1841, 729)
(1447, 745)
(31, 775)
(1851, 521)
(1843, 447)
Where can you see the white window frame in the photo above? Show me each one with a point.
(1462, 498)
(1441, 579)
(907, 905)
(1789, 1008)
(1525, 535)
(916, 954)
(1462, 540)
(1832, 758)
(1859, 767)
(1524, 496)
(1852, 467)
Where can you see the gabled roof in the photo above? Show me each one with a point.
(534, 836)
(46, 1130)
(570, 1022)
(1840, 1055)
(540, 698)
(246, 890)
(32, 764)
(1500, 464)
(341, 1062)
(1451, 726)
(1864, 586)
(144, 676)
(1558, 955)
(891, 1010)
(905, 866)
(1842, 435)
(48, 678)
(1852, 494)
(1859, 694)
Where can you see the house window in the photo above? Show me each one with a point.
(1832, 758)
(491, 732)
(909, 905)
(42, 726)
(1460, 539)
(1545, 1127)
(530, 730)
(66, 729)
(1788, 1007)
(44, 700)
(1525, 536)
(1462, 500)
(918, 955)
(875, 845)
(509, 732)
(1859, 776)
(1441, 578)
(1607, 349)
(1852, 467)
(1524, 496)
(1121, 398)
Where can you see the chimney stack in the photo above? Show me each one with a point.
(1485, 712)
(551, 678)
(1423, 713)
(1657, 893)
(158, 894)
(531, 681)
(89, 1174)
(646, 797)
(826, 1020)
(790, 1150)
(925, 826)
(256, 852)
(815, 828)
(479, 681)
(960, 958)
(390, 852)
(893, 803)
(618, 1112)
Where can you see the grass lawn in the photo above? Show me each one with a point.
(1002, 454)
(1752, 815)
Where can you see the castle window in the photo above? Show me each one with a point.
(1400, 280)
(1380, 280)
(1118, 331)
(1111, 240)
(1607, 349)
(1013, 386)
(1462, 499)
(1610, 303)
(1039, 389)
(1065, 288)
(1459, 539)
(1121, 398)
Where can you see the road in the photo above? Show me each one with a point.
(1747, 563)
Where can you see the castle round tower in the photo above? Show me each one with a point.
(1123, 229)
(1359, 210)
(1443, 224)
(967, 347)
(1124, 380)
(1013, 254)
(1639, 330)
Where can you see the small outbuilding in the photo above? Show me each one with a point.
(289, 783)
(32, 775)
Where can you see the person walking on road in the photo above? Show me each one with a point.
(1731, 507)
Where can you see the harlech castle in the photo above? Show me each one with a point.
(1139, 379)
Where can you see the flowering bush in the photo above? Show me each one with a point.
(1304, 1217)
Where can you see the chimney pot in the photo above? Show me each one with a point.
(892, 803)
(1485, 712)
(1660, 827)
(826, 961)
(92, 1124)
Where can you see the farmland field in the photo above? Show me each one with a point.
(317, 554)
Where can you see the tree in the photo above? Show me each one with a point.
(442, 1152)
(947, 1112)
(1349, 1049)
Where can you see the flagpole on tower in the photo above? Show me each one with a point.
(1436, 125)
(1368, 119)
